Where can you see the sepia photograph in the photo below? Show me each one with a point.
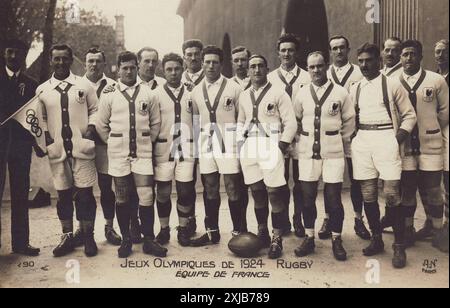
(224, 150)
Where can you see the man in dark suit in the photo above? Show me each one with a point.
(16, 143)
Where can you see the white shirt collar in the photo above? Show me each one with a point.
(141, 81)
(71, 79)
(195, 75)
(416, 76)
(96, 84)
(365, 81)
(123, 87)
(324, 87)
(260, 89)
(217, 82)
(11, 73)
(292, 72)
(388, 69)
(344, 68)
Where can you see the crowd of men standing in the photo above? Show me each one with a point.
(257, 129)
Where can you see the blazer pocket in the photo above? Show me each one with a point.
(433, 139)
(115, 143)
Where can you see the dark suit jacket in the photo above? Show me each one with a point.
(13, 95)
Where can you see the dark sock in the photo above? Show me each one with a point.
(164, 209)
(373, 216)
(147, 217)
(398, 220)
(123, 212)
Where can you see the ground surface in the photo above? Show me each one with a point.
(319, 270)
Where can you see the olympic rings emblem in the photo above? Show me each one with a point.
(33, 121)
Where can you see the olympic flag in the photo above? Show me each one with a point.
(30, 117)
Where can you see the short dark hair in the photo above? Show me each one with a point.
(339, 37)
(316, 53)
(289, 38)
(149, 49)
(125, 57)
(212, 50)
(61, 47)
(241, 49)
(191, 44)
(414, 44)
(392, 38)
(259, 57)
(95, 50)
(16, 44)
(172, 57)
(369, 48)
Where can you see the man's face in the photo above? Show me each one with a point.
(128, 72)
(441, 54)
(410, 59)
(287, 54)
(14, 58)
(240, 63)
(173, 72)
(339, 51)
(148, 64)
(317, 69)
(61, 62)
(193, 58)
(369, 64)
(212, 66)
(391, 53)
(257, 71)
(95, 65)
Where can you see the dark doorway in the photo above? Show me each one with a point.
(227, 69)
(308, 20)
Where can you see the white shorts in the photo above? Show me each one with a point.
(261, 159)
(120, 167)
(101, 158)
(331, 170)
(423, 162)
(178, 171)
(73, 172)
(210, 164)
(376, 154)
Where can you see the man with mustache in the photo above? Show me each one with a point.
(441, 55)
(391, 57)
(239, 57)
(95, 76)
(266, 128)
(423, 161)
(326, 120)
(345, 74)
(215, 108)
(384, 120)
(192, 55)
(174, 151)
(129, 122)
(291, 78)
(69, 107)
(16, 143)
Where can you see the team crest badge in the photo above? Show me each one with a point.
(334, 108)
(143, 108)
(271, 109)
(229, 104)
(81, 96)
(428, 95)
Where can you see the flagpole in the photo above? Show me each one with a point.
(21, 108)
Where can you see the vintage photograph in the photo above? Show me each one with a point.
(245, 145)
